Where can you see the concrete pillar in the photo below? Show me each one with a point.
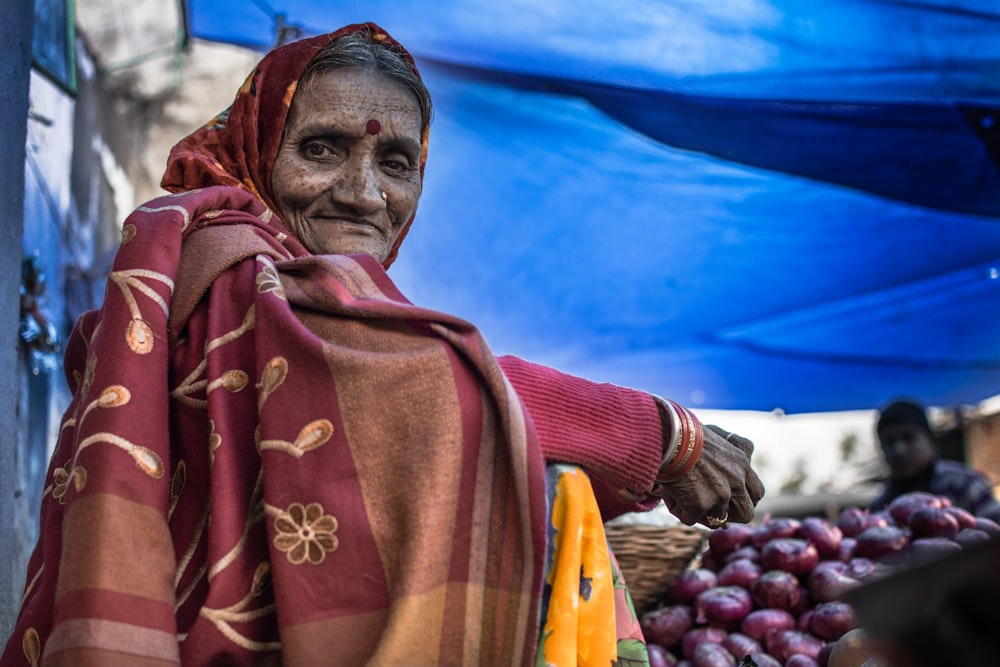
(15, 67)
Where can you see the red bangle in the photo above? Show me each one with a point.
(687, 455)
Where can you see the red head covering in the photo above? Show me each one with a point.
(239, 146)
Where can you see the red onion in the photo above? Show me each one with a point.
(773, 529)
(776, 589)
(846, 551)
(723, 606)
(964, 517)
(726, 540)
(783, 644)
(805, 601)
(712, 655)
(823, 534)
(740, 572)
(824, 654)
(801, 660)
(989, 526)
(690, 583)
(660, 657)
(860, 568)
(933, 522)
(695, 636)
(666, 626)
(740, 644)
(902, 507)
(829, 583)
(790, 554)
(711, 560)
(879, 542)
(803, 619)
(968, 537)
(684, 663)
(853, 520)
(761, 622)
(744, 553)
(838, 566)
(831, 620)
(927, 549)
(764, 660)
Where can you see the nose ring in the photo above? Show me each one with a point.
(385, 197)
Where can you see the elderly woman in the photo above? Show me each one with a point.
(273, 458)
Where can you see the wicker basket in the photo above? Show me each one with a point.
(651, 557)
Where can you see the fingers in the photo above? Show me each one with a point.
(745, 445)
(716, 517)
(755, 487)
(741, 508)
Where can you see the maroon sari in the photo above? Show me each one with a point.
(235, 481)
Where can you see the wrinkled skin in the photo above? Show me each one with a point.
(722, 483)
(340, 189)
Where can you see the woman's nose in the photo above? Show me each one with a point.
(358, 186)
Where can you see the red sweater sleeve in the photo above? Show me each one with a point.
(613, 432)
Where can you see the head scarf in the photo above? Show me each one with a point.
(239, 146)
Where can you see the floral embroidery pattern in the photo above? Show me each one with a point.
(268, 280)
(304, 533)
(177, 483)
(185, 216)
(145, 458)
(232, 380)
(311, 436)
(61, 478)
(128, 233)
(138, 334)
(274, 374)
(31, 644)
(240, 613)
(214, 441)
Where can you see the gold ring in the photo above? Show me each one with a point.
(715, 521)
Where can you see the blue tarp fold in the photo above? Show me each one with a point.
(744, 204)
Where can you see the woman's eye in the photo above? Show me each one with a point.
(315, 149)
(396, 165)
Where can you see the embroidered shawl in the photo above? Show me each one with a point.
(235, 478)
(230, 473)
(234, 481)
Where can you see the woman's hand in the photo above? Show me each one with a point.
(721, 487)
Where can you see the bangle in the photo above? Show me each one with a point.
(686, 444)
(672, 440)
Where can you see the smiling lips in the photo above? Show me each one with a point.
(352, 223)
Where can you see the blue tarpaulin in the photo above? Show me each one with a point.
(742, 204)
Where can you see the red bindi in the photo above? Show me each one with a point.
(373, 127)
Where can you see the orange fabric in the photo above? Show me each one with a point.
(588, 617)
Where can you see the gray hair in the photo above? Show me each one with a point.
(357, 51)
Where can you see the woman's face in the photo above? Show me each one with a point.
(342, 183)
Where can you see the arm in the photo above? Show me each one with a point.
(613, 432)
(637, 448)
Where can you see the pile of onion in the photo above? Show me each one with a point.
(772, 591)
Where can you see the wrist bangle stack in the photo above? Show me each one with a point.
(683, 446)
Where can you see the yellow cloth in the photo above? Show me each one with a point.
(589, 617)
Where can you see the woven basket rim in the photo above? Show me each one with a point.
(651, 557)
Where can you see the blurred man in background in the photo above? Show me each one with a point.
(907, 443)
